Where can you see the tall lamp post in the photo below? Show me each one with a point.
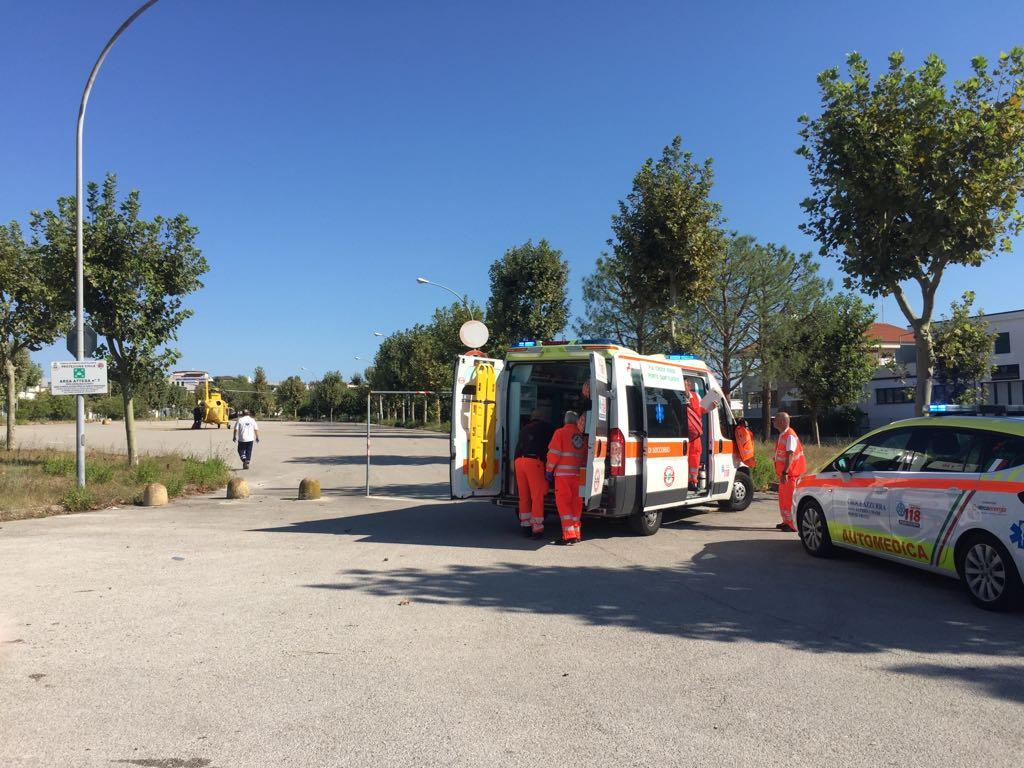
(79, 260)
(459, 296)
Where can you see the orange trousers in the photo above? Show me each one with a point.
(786, 490)
(532, 486)
(693, 454)
(570, 506)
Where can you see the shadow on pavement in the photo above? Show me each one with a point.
(758, 590)
(1001, 681)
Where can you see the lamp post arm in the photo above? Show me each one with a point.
(457, 295)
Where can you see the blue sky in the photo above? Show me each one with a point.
(331, 152)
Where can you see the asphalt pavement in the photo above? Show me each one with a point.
(408, 630)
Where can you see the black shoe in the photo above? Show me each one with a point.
(537, 535)
(527, 532)
(245, 465)
(692, 487)
(572, 542)
(784, 527)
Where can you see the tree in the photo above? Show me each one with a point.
(910, 176)
(137, 273)
(28, 374)
(263, 398)
(292, 395)
(963, 353)
(828, 354)
(528, 299)
(786, 288)
(667, 238)
(33, 312)
(330, 392)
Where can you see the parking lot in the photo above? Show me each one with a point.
(405, 629)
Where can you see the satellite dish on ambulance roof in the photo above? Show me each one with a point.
(474, 334)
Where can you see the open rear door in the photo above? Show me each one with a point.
(477, 398)
(597, 432)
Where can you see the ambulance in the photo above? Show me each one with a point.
(944, 493)
(636, 427)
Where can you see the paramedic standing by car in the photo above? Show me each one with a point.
(531, 455)
(790, 464)
(694, 431)
(567, 454)
(246, 431)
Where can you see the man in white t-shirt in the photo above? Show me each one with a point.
(246, 432)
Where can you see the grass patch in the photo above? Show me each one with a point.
(35, 483)
(817, 456)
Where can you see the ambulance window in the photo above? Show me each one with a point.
(1002, 452)
(885, 452)
(634, 409)
(944, 449)
(666, 415)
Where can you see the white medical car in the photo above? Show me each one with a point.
(941, 493)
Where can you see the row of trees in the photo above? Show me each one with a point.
(137, 275)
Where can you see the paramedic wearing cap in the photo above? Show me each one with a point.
(531, 454)
(567, 453)
(789, 465)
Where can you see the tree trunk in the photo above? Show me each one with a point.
(925, 367)
(766, 410)
(814, 423)
(331, 416)
(438, 410)
(12, 402)
(380, 405)
(129, 423)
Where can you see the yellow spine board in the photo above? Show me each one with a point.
(482, 428)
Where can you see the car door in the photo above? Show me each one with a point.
(939, 483)
(861, 498)
(665, 436)
(466, 420)
(597, 427)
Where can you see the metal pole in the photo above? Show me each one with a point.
(464, 299)
(79, 260)
(369, 398)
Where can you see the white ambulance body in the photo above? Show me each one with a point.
(636, 427)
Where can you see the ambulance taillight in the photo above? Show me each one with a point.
(617, 452)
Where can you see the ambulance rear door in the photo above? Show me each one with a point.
(463, 393)
(597, 432)
(666, 438)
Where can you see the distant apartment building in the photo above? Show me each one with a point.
(889, 395)
(190, 380)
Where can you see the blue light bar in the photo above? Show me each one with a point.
(525, 343)
(680, 357)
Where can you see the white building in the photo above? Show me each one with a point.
(190, 380)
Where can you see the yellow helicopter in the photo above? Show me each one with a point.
(215, 407)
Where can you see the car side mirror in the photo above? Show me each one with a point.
(842, 464)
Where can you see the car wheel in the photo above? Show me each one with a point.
(813, 529)
(988, 573)
(645, 523)
(742, 494)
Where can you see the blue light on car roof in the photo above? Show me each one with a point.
(525, 343)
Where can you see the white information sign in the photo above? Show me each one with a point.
(662, 376)
(88, 377)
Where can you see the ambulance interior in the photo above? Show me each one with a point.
(550, 387)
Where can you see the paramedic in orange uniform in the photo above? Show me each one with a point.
(695, 431)
(567, 454)
(531, 454)
(790, 464)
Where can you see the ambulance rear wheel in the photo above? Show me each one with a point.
(742, 494)
(645, 523)
(987, 572)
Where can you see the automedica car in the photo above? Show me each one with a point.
(945, 494)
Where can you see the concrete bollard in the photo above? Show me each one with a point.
(154, 495)
(238, 488)
(309, 488)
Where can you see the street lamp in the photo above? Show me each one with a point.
(79, 260)
(460, 297)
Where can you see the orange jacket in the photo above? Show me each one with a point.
(567, 452)
(799, 464)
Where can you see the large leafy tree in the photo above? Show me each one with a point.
(331, 392)
(528, 299)
(828, 354)
(262, 398)
(292, 395)
(33, 310)
(137, 275)
(667, 239)
(911, 174)
(963, 353)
